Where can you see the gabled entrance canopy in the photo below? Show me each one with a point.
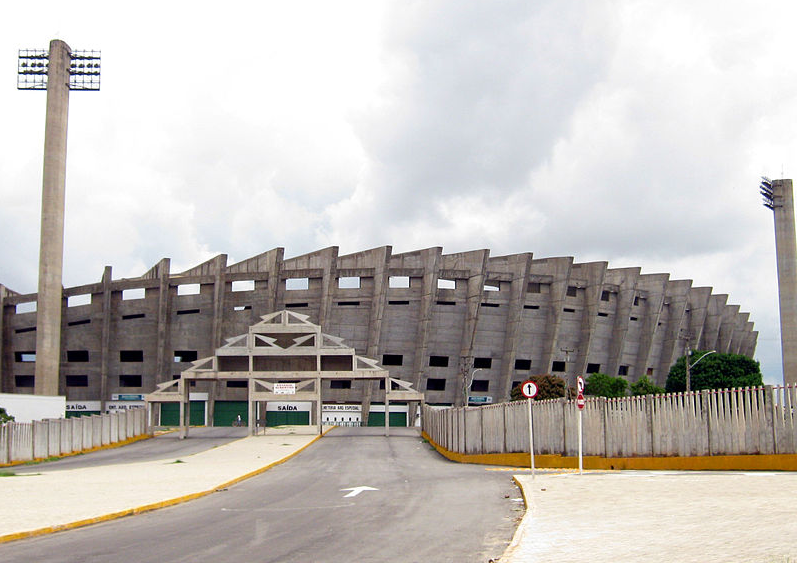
(282, 346)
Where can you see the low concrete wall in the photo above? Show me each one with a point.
(728, 422)
(20, 441)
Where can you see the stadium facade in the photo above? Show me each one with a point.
(433, 319)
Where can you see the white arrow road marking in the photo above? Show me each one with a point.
(357, 490)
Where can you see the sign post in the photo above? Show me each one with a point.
(580, 402)
(529, 389)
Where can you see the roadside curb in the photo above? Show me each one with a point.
(153, 506)
(742, 462)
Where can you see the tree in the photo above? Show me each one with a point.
(715, 371)
(646, 387)
(5, 417)
(548, 387)
(602, 385)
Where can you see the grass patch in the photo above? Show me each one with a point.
(177, 461)
(44, 460)
(7, 474)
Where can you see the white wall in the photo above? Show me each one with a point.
(25, 408)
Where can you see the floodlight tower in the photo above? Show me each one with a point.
(58, 71)
(779, 198)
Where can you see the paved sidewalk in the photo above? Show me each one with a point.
(658, 516)
(45, 499)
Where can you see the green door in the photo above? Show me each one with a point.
(226, 412)
(282, 418)
(396, 419)
(170, 413)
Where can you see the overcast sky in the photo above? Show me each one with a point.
(621, 130)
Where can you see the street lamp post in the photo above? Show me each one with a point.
(468, 383)
(688, 372)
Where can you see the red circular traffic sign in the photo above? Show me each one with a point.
(529, 389)
(580, 402)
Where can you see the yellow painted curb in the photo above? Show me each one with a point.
(154, 506)
(89, 450)
(759, 462)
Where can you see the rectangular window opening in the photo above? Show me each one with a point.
(603, 314)
(237, 383)
(397, 282)
(26, 357)
(297, 284)
(522, 364)
(188, 311)
(558, 366)
(483, 363)
(78, 300)
(27, 307)
(242, 308)
(491, 287)
(133, 316)
(185, 355)
(438, 361)
(593, 368)
(77, 355)
(188, 289)
(340, 384)
(533, 287)
(392, 359)
(296, 305)
(24, 381)
(448, 303)
(622, 370)
(490, 305)
(349, 282)
(569, 310)
(532, 307)
(79, 322)
(129, 381)
(604, 295)
(243, 285)
(435, 384)
(634, 319)
(135, 293)
(77, 380)
(480, 385)
(572, 291)
(27, 329)
(446, 284)
(348, 303)
(398, 302)
(131, 355)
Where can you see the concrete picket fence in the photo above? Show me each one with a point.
(761, 420)
(39, 439)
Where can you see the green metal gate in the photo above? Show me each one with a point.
(280, 418)
(170, 413)
(226, 412)
(396, 419)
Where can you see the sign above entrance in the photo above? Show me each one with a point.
(284, 388)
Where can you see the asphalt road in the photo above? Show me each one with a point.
(424, 508)
(161, 447)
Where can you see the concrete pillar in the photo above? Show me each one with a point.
(105, 338)
(51, 249)
(786, 253)
(380, 258)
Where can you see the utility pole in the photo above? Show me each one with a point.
(58, 71)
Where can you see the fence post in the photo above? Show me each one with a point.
(649, 418)
(564, 425)
(769, 413)
(607, 442)
(706, 413)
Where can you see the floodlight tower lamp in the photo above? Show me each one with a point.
(57, 70)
